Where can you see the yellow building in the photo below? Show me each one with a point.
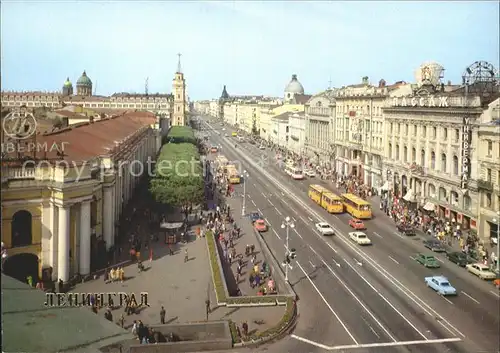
(63, 192)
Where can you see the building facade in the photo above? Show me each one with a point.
(179, 115)
(359, 132)
(297, 136)
(319, 140)
(60, 207)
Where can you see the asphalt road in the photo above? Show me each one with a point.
(352, 296)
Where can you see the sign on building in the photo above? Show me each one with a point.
(466, 140)
(430, 101)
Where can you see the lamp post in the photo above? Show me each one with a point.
(287, 224)
(245, 176)
(497, 221)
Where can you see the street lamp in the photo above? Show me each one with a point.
(497, 221)
(245, 176)
(287, 224)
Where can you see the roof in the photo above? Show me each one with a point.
(294, 86)
(84, 80)
(29, 326)
(302, 98)
(141, 95)
(87, 140)
(85, 98)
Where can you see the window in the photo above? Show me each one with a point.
(390, 150)
(445, 134)
(21, 229)
(442, 194)
(422, 158)
(424, 131)
(455, 165)
(490, 148)
(457, 135)
(399, 128)
(397, 152)
(454, 198)
(414, 155)
(467, 203)
(432, 191)
(406, 129)
(433, 160)
(434, 132)
(488, 175)
(405, 154)
(443, 162)
(391, 128)
(415, 130)
(178, 96)
(487, 199)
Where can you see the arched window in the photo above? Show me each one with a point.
(405, 154)
(21, 229)
(397, 152)
(467, 202)
(442, 194)
(422, 157)
(455, 165)
(443, 162)
(433, 160)
(414, 155)
(454, 198)
(432, 191)
(390, 150)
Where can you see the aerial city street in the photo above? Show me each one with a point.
(289, 177)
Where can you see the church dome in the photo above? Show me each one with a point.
(84, 80)
(68, 83)
(294, 86)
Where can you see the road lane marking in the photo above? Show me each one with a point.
(253, 203)
(265, 219)
(393, 259)
(274, 230)
(282, 194)
(271, 203)
(258, 209)
(449, 301)
(437, 258)
(399, 235)
(336, 263)
(312, 220)
(378, 235)
(411, 257)
(331, 247)
(312, 264)
(303, 220)
(355, 297)
(254, 185)
(327, 304)
(281, 214)
(471, 297)
(495, 294)
(385, 299)
(294, 219)
(298, 233)
(359, 263)
(336, 216)
(265, 196)
(402, 288)
(370, 327)
(375, 345)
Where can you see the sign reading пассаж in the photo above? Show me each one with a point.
(429, 101)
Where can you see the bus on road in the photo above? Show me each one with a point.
(295, 172)
(233, 175)
(315, 192)
(332, 202)
(356, 206)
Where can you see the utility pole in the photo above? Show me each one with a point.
(146, 86)
(245, 176)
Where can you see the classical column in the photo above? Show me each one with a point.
(108, 217)
(84, 238)
(63, 244)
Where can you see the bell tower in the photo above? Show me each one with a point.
(179, 92)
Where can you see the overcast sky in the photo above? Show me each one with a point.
(252, 47)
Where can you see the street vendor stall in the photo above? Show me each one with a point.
(172, 231)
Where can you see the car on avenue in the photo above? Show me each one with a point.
(324, 228)
(459, 258)
(482, 271)
(434, 245)
(360, 238)
(441, 285)
(260, 225)
(255, 216)
(226, 135)
(310, 173)
(427, 260)
(262, 147)
(357, 224)
(406, 230)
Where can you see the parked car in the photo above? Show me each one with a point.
(310, 173)
(482, 271)
(427, 260)
(360, 238)
(434, 245)
(441, 285)
(459, 258)
(260, 225)
(406, 230)
(255, 216)
(357, 224)
(324, 228)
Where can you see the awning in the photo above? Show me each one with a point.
(429, 206)
(385, 187)
(410, 196)
(175, 225)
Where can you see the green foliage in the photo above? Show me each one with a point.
(178, 177)
(216, 270)
(181, 134)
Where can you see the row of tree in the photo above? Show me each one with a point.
(178, 180)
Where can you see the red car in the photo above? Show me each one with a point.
(357, 224)
(260, 225)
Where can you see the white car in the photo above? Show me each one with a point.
(310, 173)
(262, 147)
(480, 270)
(360, 238)
(324, 228)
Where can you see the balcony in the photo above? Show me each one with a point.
(484, 185)
(18, 174)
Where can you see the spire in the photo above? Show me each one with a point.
(179, 69)
(224, 94)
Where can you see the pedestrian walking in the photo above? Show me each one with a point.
(163, 313)
(186, 257)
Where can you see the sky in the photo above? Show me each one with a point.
(252, 47)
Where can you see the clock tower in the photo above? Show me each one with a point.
(179, 93)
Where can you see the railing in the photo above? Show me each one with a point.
(18, 173)
(485, 185)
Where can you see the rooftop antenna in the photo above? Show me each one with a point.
(146, 86)
(330, 83)
(179, 70)
(95, 88)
